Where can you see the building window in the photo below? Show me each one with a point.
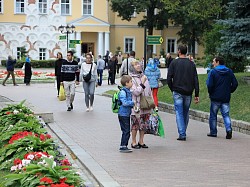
(65, 7)
(1, 6)
(42, 53)
(129, 45)
(87, 7)
(190, 51)
(18, 53)
(42, 6)
(20, 6)
(171, 45)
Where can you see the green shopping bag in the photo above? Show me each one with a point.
(161, 132)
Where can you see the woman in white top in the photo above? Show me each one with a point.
(89, 86)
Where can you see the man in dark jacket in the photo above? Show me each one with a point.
(221, 83)
(182, 80)
(10, 69)
(69, 78)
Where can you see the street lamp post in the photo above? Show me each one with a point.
(67, 30)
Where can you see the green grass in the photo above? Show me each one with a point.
(240, 99)
(239, 103)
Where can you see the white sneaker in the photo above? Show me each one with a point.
(87, 110)
(91, 108)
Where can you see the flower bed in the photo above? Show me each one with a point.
(19, 74)
(28, 154)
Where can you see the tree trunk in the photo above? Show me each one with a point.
(150, 47)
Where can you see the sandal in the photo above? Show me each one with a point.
(136, 146)
(142, 146)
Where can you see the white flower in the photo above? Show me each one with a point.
(51, 157)
(19, 166)
(25, 162)
(11, 126)
(13, 168)
(31, 148)
(31, 157)
(54, 164)
(15, 112)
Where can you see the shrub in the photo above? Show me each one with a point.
(34, 63)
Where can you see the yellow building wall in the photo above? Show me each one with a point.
(9, 13)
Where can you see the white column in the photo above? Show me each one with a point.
(78, 46)
(107, 47)
(100, 44)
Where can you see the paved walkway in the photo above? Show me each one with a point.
(94, 137)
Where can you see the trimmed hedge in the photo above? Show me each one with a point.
(34, 63)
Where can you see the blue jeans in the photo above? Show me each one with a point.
(99, 73)
(125, 128)
(182, 104)
(224, 109)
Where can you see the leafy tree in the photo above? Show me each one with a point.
(126, 8)
(236, 37)
(194, 17)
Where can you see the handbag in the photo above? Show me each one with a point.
(62, 96)
(147, 102)
(87, 77)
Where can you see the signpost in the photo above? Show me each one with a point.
(75, 41)
(62, 37)
(154, 40)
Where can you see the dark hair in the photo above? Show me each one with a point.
(100, 56)
(71, 53)
(220, 59)
(59, 53)
(182, 49)
(125, 79)
(132, 53)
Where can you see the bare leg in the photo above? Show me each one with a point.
(134, 132)
(141, 139)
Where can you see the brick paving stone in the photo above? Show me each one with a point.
(200, 161)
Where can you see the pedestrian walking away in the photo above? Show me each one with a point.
(124, 112)
(58, 67)
(126, 63)
(221, 83)
(10, 69)
(89, 68)
(182, 80)
(69, 79)
(100, 68)
(153, 74)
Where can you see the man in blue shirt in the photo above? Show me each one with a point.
(221, 83)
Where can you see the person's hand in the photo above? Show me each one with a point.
(143, 79)
(196, 100)
(77, 82)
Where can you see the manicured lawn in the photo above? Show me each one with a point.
(240, 100)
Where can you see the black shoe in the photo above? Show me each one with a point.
(181, 138)
(69, 109)
(125, 150)
(212, 135)
(142, 146)
(71, 106)
(135, 146)
(229, 135)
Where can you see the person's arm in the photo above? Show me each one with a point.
(196, 86)
(209, 82)
(234, 84)
(170, 77)
(124, 100)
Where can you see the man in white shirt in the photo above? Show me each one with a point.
(126, 63)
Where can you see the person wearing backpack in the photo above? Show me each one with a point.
(126, 104)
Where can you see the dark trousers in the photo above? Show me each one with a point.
(99, 73)
(12, 75)
(58, 81)
(125, 128)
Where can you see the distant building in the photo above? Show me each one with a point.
(34, 24)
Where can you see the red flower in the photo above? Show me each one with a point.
(65, 169)
(41, 186)
(19, 135)
(65, 162)
(17, 161)
(61, 185)
(8, 112)
(46, 180)
(42, 137)
(62, 180)
(24, 169)
(48, 136)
